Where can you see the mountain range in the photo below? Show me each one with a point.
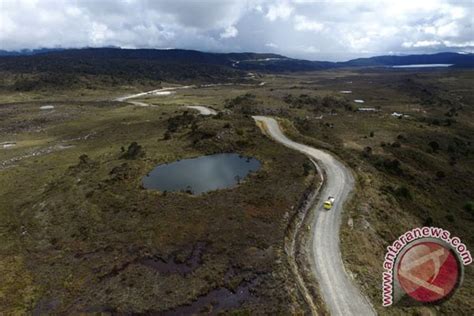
(244, 61)
(68, 67)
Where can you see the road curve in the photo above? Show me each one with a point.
(341, 296)
(202, 109)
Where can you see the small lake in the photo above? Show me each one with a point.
(423, 66)
(201, 174)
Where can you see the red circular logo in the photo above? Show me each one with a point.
(429, 271)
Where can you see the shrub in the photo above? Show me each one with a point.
(367, 151)
(393, 165)
(134, 151)
(84, 159)
(403, 192)
(306, 168)
(183, 120)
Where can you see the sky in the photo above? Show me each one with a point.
(315, 30)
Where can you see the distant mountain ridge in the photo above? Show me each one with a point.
(244, 61)
(69, 67)
(392, 60)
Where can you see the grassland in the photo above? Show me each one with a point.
(81, 235)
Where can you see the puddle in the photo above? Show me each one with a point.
(6, 145)
(423, 66)
(359, 101)
(345, 91)
(201, 174)
(164, 92)
(47, 107)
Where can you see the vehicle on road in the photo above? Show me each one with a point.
(328, 203)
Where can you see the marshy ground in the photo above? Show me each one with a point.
(78, 233)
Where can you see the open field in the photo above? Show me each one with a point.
(79, 234)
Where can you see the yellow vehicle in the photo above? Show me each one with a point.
(328, 203)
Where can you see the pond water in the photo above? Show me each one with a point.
(201, 174)
(422, 66)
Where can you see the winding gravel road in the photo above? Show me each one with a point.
(341, 296)
(160, 92)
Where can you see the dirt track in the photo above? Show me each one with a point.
(340, 295)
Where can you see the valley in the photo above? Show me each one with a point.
(80, 234)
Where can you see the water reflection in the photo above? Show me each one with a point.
(202, 174)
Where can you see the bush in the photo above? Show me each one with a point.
(84, 159)
(403, 192)
(134, 151)
(246, 104)
(393, 165)
(183, 120)
(306, 168)
(367, 151)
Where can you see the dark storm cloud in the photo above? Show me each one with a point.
(305, 29)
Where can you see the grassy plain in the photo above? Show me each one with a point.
(81, 235)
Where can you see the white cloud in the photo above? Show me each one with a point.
(421, 44)
(448, 30)
(281, 10)
(271, 45)
(302, 23)
(459, 44)
(229, 32)
(301, 28)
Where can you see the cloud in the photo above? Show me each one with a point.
(281, 10)
(332, 30)
(468, 44)
(421, 44)
(302, 23)
(271, 45)
(229, 32)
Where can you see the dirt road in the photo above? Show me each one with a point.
(202, 109)
(341, 296)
